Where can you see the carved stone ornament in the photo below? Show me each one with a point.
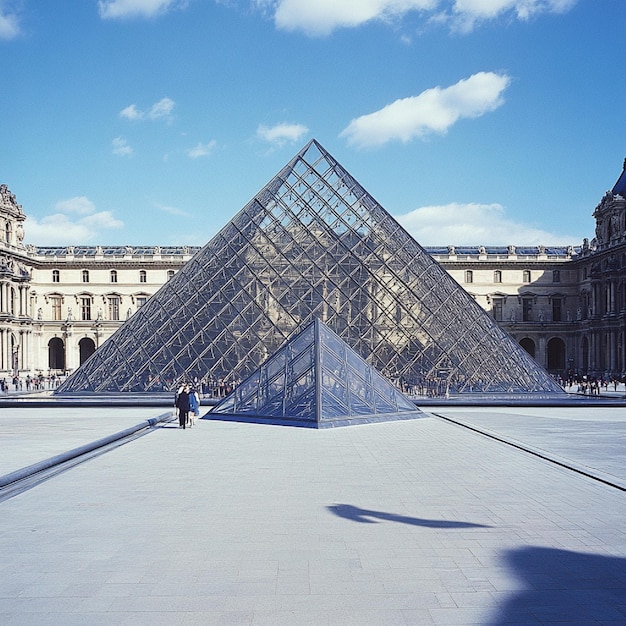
(8, 203)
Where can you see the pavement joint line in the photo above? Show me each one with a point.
(542, 454)
(27, 477)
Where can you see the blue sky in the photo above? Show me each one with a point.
(130, 122)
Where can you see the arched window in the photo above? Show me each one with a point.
(113, 276)
(85, 276)
(469, 276)
(497, 276)
(526, 276)
(142, 276)
(7, 232)
(56, 276)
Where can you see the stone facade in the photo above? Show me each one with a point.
(566, 305)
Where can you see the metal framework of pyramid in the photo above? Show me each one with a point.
(316, 380)
(311, 244)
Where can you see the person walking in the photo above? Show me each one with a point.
(194, 406)
(182, 403)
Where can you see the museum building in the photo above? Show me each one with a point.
(565, 305)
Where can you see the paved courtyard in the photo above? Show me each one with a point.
(414, 522)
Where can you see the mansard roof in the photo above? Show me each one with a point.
(620, 185)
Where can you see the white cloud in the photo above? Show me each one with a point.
(81, 205)
(281, 134)
(474, 224)
(161, 109)
(121, 147)
(322, 17)
(9, 25)
(433, 111)
(465, 14)
(61, 228)
(201, 149)
(158, 111)
(131, 112)
(121, 9)
(172, 210)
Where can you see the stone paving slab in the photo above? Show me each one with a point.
(419, 522)
(591, 438)
(32, 434)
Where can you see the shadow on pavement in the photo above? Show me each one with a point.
(364, 516)
(565, 587)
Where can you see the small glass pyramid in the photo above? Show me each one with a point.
(311, 244)
(316, 379)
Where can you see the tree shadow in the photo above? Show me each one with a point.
(365, 516)
(565, 587)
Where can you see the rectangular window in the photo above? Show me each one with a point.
(557, 309)
(556, 276)
(114, 308)
(56, 276)
(497, 276)
(142, 276)
(497, 309)
(469, 276)
(55, 302)
(527, 309)
(141, 300)
(85, 308)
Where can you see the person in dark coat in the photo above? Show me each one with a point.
(182, 403)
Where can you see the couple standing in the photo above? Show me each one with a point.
(188, 404)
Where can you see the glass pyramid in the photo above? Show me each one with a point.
(311, 244)
(315, 379)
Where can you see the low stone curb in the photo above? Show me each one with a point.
(64, 457)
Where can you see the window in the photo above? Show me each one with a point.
(141, 300)
(85, 308)
(114, 308)
(170, 274)
(85, 276)
(557, 308)
(55, 302)
(469, 276)
(527, 309)
(113, 276)
(56, 276)
(497, 309)
(497, 276)
(556, 276)
(142, 276)
(526, 276)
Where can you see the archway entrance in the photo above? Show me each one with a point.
(87, 347)
(528, 345)
(556, 354)
(56, 354)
